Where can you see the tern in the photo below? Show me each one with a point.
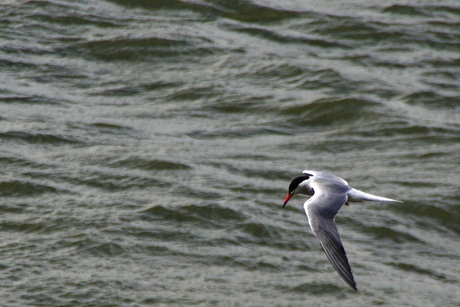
(328, 194)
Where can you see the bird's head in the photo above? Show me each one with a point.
(299, 185)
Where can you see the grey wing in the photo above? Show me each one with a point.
(321, 210)
(336, 254)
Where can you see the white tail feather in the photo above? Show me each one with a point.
(357, 196)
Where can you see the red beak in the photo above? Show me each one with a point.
(288, 197)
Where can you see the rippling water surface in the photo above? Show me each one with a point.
(147, 147)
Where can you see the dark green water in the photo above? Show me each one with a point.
(147, 147)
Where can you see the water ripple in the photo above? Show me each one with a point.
(148, 144)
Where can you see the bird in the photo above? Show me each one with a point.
(328, 194)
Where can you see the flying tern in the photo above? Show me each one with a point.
(328, 194)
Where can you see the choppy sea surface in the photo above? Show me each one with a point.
(147, 146)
